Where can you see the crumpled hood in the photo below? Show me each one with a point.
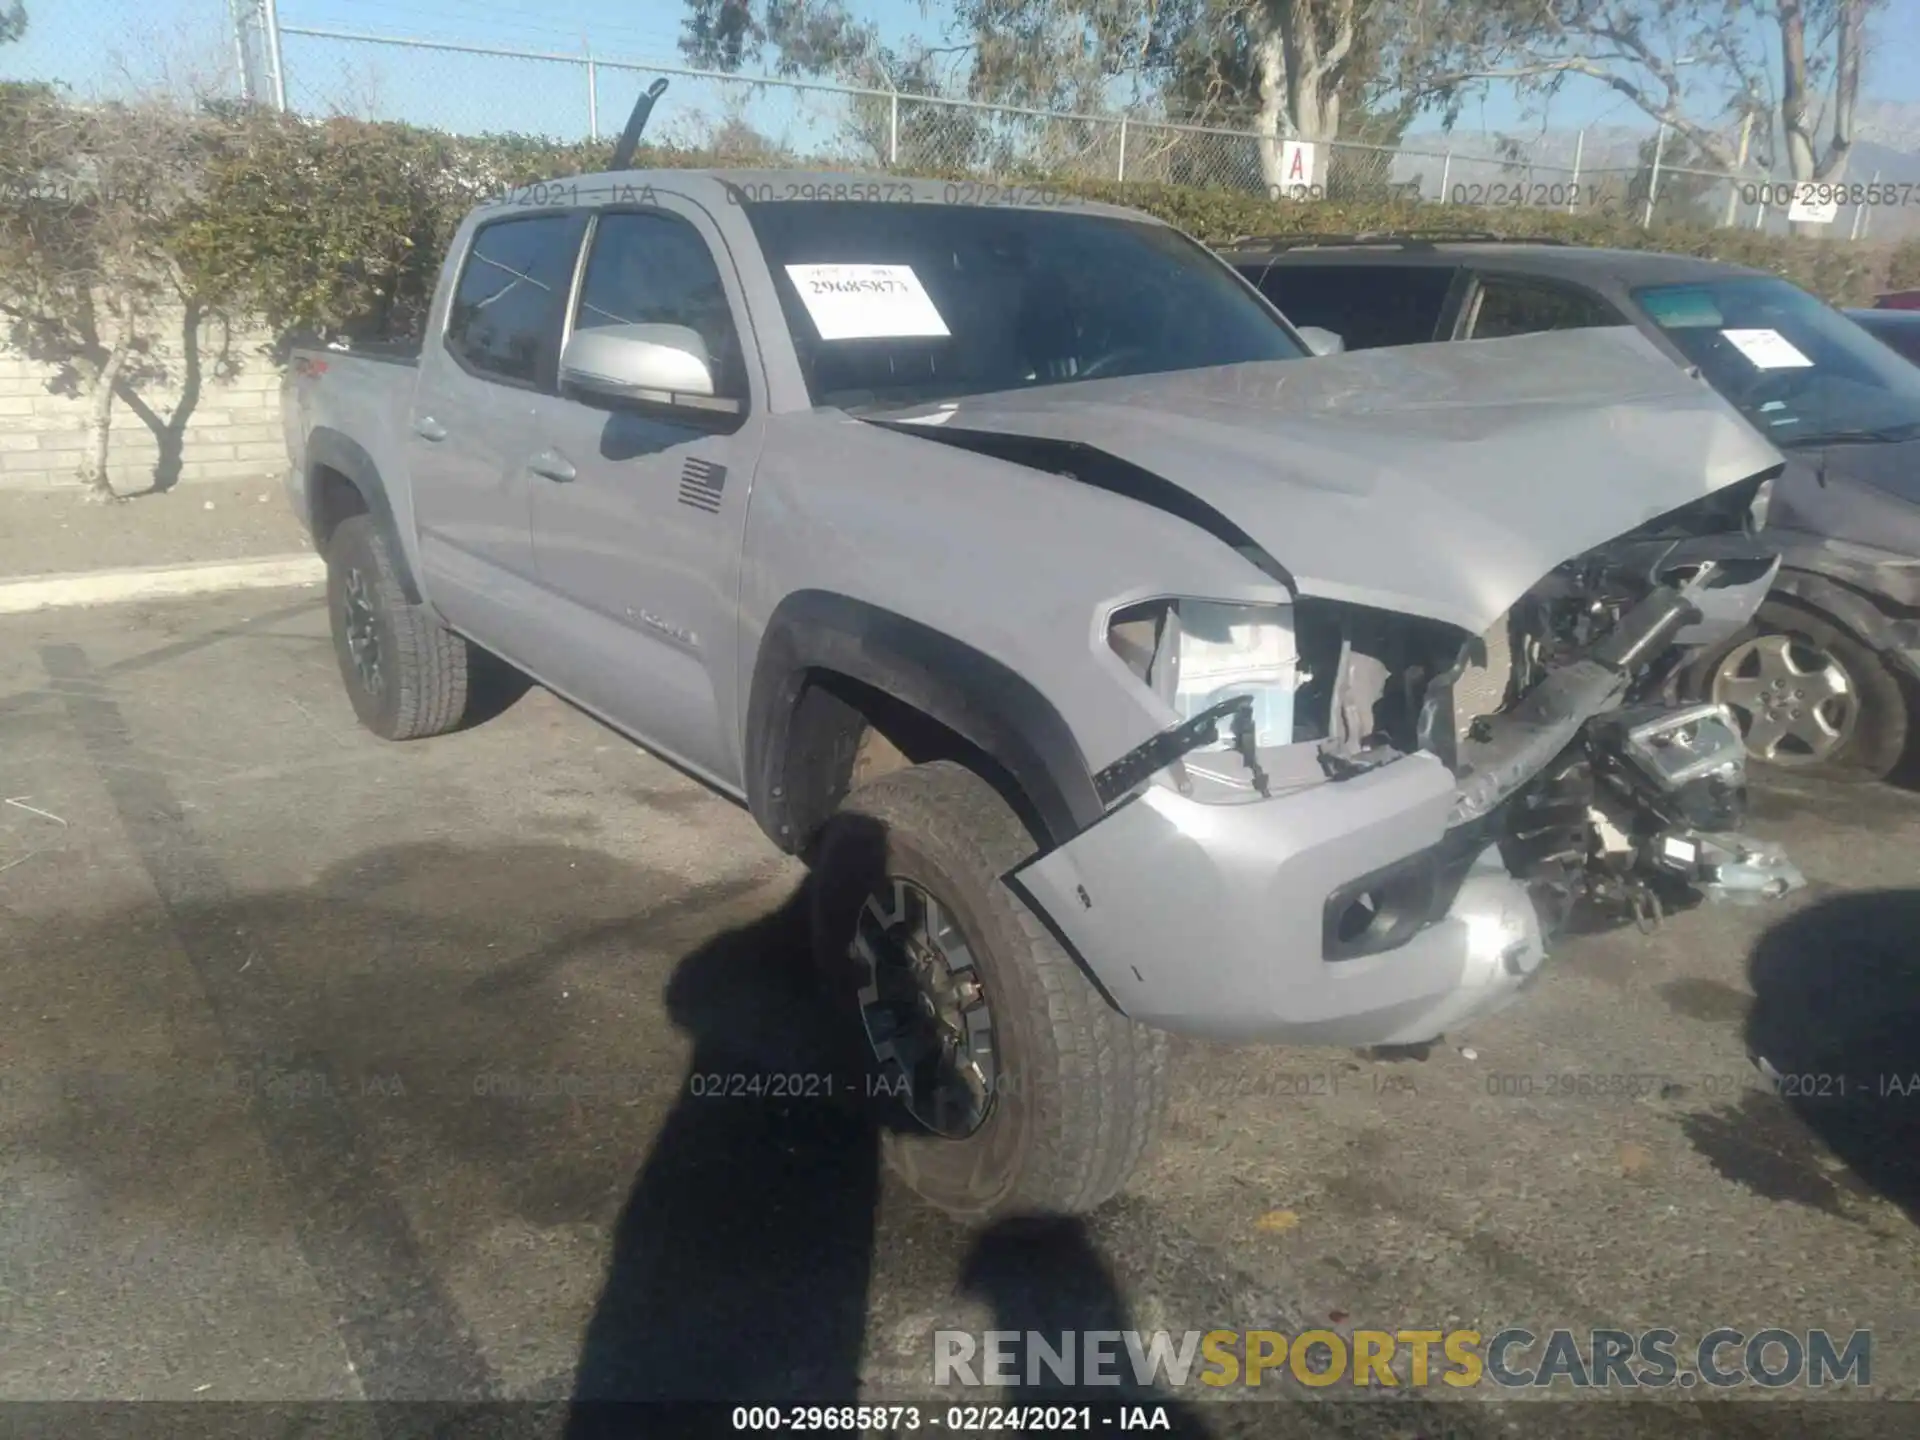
(1436, 480)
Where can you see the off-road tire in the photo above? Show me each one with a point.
(1085, 1089)
(424, 669)
(1878, 739)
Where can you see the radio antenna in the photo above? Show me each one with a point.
(636, 122)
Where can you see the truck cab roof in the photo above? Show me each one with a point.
(719, 187)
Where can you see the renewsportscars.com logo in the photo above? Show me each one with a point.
(1513, 1358)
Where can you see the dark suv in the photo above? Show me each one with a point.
(1826, 681)
(1898, 329)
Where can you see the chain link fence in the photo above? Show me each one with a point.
(233, 49)
(751, 120)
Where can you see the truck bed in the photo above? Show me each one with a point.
(362, 393)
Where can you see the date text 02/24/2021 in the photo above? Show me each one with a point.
(955, 1419)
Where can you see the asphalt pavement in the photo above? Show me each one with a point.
(339, 1070)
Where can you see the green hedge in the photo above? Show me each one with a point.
(340, 225)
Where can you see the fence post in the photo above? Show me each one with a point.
(1446, 169)
(593, 100)
(1123, 150)
(1739, 167)
(893, 127)
(1653, 181)
(1860, 213)
(1579, 151)
(270, 19)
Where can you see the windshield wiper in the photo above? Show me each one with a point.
(1881, 435)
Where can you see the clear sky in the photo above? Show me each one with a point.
(89, 42)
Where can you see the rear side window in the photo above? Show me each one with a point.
(1509, 306)
(647, 268)
(1901, 334)
(505, 319)
(1366, 305)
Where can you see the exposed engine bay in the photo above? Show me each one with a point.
(1560, 725)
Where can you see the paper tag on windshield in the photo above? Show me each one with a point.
(1767, 349)
(866, 302)
(936, 417)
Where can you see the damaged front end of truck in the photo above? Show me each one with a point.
(1599, 793)
(1503, 784)
(1382, 800)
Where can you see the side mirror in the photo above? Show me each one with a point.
(1321, 342)
(654, 364)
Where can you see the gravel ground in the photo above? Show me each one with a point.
(282, 1005)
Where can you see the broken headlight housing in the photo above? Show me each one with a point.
(1229, 673)
(1198, 655)
(1689, 765)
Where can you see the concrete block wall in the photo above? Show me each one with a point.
(233, 433)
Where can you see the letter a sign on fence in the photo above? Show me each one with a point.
(1299, 168)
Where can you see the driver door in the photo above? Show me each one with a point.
(639, 509)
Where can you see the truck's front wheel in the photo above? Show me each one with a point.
(1009, 1083)
(405, 672)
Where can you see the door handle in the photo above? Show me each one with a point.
(552, 465)
(428, 428)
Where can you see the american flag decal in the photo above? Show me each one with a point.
(701, 482)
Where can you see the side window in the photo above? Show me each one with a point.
(1509, 306)
(505, 318)
(1366, 305)
(652, 269)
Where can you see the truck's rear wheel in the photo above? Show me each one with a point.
(1010, 1085)
(405, 672)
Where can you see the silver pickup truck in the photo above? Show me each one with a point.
(1119, 670)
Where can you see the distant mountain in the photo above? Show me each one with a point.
(1892, 123)
(1898, 167)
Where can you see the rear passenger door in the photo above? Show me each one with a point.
(1526, 305)
(1366, 305)
(472, 425)
(637, 525)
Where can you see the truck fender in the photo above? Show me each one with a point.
(1899, 640)
(970, 693)
(330, 449)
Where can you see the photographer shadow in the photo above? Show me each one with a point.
(742, 1260)
(1044, 1276)
(1836, 1016)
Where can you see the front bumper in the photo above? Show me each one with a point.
(1230, 922)
(1209, 920)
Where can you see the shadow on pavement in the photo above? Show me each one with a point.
(274, 1071)
(1046, 1276)
(1836, 1016)
(742, 1260)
